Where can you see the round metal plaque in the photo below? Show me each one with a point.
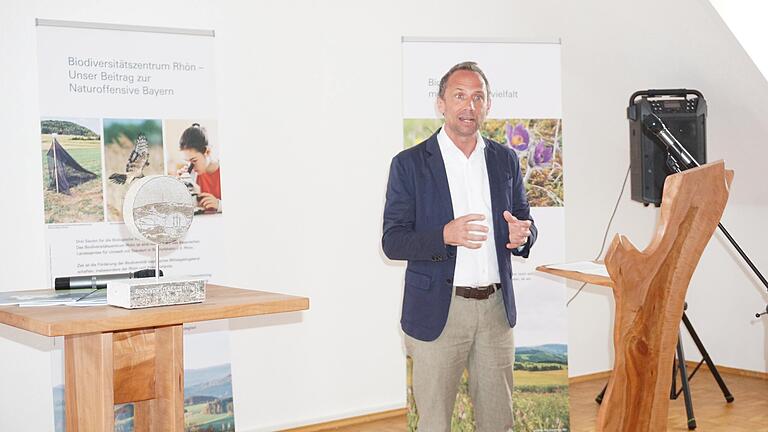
(158, 209)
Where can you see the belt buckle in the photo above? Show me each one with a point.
(486, 291)
(465, 292)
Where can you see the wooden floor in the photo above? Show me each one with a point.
(748, 413)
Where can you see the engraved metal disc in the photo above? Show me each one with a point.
(158, 209)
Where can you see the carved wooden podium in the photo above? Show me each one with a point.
(649, 289)
(115, 356)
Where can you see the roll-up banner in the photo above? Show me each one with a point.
(119, 102)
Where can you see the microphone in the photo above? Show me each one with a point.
(654, 124)
(99, 281)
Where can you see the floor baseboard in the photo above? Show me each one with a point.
(730, 370)
(351, 421)
(690, 364)
(589, 377)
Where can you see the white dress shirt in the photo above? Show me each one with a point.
(471, 193)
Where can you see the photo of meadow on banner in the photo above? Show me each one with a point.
(540, 395)
(538, 144)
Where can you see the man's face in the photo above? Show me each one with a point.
(464, 104)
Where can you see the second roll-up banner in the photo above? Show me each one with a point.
(118, 102)
(525, 91)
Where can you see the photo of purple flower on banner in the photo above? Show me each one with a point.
(538, 144)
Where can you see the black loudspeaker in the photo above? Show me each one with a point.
(685, 114)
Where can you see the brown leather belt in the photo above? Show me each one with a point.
(478, 293)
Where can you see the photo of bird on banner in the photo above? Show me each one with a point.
(137, 161)
(133, 148)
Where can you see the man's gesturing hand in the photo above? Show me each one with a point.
(519, 230)
(461, 232)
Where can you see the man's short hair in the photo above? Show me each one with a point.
(467, 66)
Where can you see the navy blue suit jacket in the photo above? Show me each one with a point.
(419, 205)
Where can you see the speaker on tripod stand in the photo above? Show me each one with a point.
(685, 114)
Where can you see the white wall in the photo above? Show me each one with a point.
(310, 115)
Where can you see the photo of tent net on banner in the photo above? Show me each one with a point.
(63, 170)
(71, 168)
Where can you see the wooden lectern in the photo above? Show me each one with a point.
(649, 289)
(114, 356)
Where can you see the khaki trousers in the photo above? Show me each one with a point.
(477, 337)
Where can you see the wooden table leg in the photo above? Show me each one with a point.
(142, 416)
(168, 404)
(145, 367)
(88, 383)
(149, 372)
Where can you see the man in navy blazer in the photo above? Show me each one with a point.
(452, 324)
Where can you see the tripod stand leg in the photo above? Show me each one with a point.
(705, 355)
(599, 398)
(673, 389)
(684, 382)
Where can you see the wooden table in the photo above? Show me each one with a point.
(114, 356)
(589, 278)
